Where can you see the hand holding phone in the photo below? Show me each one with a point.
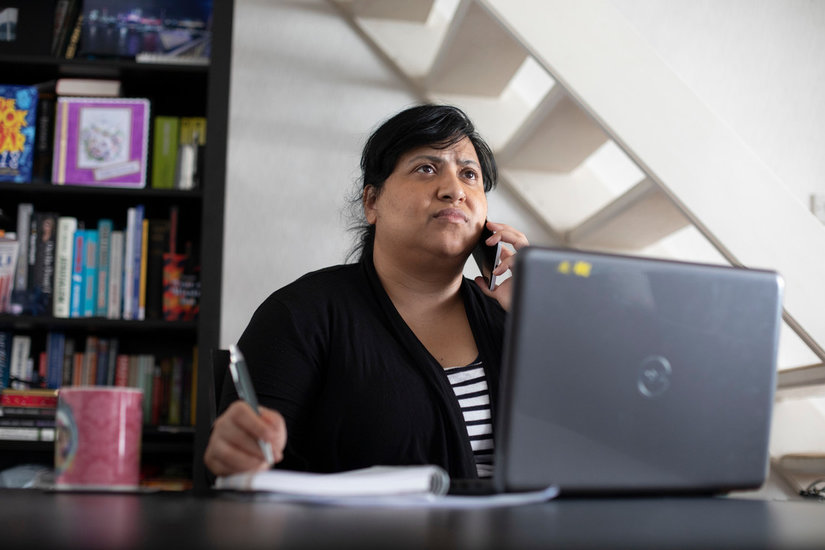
(487, 257)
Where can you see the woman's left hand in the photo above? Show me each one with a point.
(505, 234)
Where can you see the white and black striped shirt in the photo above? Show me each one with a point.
(470, 386)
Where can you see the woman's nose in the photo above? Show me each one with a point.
(451, 188)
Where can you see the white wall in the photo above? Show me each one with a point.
(305, 94)
(759, 65)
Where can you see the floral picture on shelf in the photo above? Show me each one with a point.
(101, 142)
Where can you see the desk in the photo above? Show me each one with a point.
(34, 519)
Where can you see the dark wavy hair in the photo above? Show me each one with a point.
(438, 126)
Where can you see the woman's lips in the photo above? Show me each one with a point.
(452, 215)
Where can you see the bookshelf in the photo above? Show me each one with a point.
(173, 89)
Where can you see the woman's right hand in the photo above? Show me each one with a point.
(233, 445)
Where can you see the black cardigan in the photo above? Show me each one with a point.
(354, 384)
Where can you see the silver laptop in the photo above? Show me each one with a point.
(624, 374)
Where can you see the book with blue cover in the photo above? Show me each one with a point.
(90, 274)
(18, 116)
(76, 300)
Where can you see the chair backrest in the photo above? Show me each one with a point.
(220, 365)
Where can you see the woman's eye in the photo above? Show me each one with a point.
(470, 174)
(426, 169)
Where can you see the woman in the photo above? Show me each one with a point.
(371, 363)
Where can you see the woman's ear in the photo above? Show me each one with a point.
(369, 199)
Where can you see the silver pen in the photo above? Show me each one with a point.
(243, 384)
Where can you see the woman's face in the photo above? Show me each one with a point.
(432, 202)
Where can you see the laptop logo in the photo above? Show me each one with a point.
(654, 377)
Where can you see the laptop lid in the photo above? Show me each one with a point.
(628, 374)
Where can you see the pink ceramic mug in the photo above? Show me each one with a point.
(98, 437)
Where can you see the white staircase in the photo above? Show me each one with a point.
(606, 145)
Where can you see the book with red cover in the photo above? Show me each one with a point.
(101, 141)
(28, 398)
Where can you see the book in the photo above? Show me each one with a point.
(20, 294)
(61, 13)
(111, 361)
(364, 482)
(101, 141)
(104, 250)
(76, 298)
(122, 370)
(5, 357)
(165, 151)
(74, 38)
(38, 398)
(88, 87)
(9, 253)
(89, 367)
(65, 19)
(44, 134)
(42, 244)
(64, 255)
(144, 253)
(18, 123)
(18, 433)
(114, 299)
(192, 141)
(102, 374)
(18, 369)
(131, 261)
(68, 362)
(159, 232)
(89, 274)
(55, 349)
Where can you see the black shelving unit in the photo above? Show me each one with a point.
(181, 90)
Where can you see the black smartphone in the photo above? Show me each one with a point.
(487, 257)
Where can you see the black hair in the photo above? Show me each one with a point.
(438, 126)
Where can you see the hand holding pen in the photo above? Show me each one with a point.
(244, 435)
(243, 384)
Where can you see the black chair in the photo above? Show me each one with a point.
(219, 363)
(220, 366)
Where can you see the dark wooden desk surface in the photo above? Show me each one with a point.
(36, 519)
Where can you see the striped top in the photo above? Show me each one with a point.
(470, 386)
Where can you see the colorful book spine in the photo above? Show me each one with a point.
(21, 274)
(9, 252)
(144, 253)
(111, 361)
(78, 270)
(18, 111)
(122, 370)
(37, 398)
(68, 361)
(165, 151)
(42, 244)
(66, 227)
(55, 349)
(5, 358)
(114, 299)
(20, 351)
(102, 374)
(135, 260)
(90, 274)
(89, 369)
(128, 264)
(104, 251)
